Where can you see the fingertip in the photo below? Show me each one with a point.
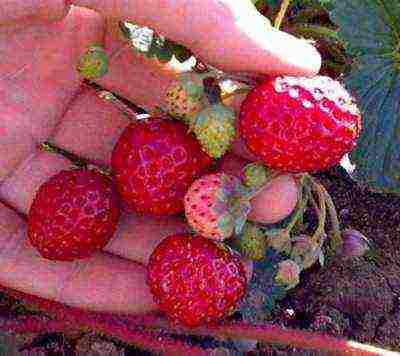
(251, 44)
(295, 56)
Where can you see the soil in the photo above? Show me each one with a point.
(357, 299)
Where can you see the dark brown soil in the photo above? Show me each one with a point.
(357, 299)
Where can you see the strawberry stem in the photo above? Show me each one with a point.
(297, 338)
(75, 159)
(303, 197)
(234, 93)
(123, 108)
(272, 334)
(281, 14)
(320, 209)
(336, 235)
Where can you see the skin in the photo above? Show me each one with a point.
(41, 97)
(273, 203)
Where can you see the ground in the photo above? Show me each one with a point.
(356, 299)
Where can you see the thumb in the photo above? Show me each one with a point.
(239, 38)
(229, 34)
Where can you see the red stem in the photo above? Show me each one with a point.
(32, 324)
(155, 341)
(298, 338)
(127, 329)
(270, 334)
(106, 323)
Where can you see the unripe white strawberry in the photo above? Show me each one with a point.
(184, 99)
(216, 206)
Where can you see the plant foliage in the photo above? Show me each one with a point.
(371, 32)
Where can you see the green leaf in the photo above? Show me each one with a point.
(263, 293)
(8, 346)
(371, 32)
(271, 3)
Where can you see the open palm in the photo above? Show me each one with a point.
(42, 98)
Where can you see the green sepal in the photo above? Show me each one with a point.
(192, 84)
(226, 225)
(251, 243)
(164, 54)
(305, 252)
(263, 292)
(240, 215)
(156, 45)
(181, 53)
(288, 274)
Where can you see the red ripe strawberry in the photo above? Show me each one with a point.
(299, 124)
(73, 214)
(195, 280)
(154, 162)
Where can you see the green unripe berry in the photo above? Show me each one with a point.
(183, 99)
(255, 175)
(251, 243)
(288, 274)
(93, 64)
(215, 129)
(305, 252)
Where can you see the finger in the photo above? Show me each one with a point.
(148, 79)
(137, 236)
(232, 164)
(23, 13)
(147, 86)
(90, 127)
(101, 283)
(238, 146)
(231, 35)
(276, 201)
(18, 190)
(273, 203)
(38, 80)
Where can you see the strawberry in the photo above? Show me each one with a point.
(251, 243)
(184, 99)
(195, 280)
(216, 205)
(93, 64)
(73, 214)
(214, 127)
(299, 124)
(154, 162)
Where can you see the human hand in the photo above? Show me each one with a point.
(42, 98)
